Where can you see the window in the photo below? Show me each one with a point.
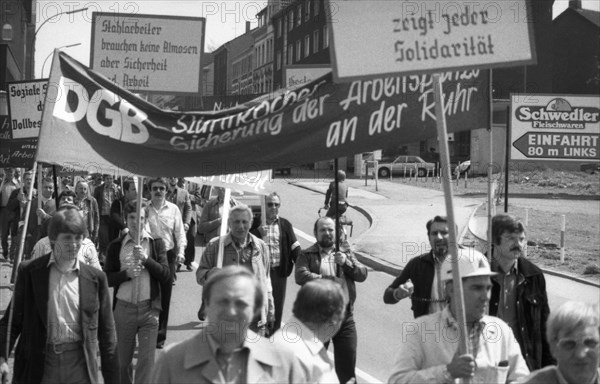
(306, 45)
(325, 37)
(316, 41)
(307, 11)
(298, 50)
(278, 32)
(299, 16)
(290, 54)
(291, 21)
(278, 60)
(316, 8)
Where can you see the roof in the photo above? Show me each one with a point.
(588, 14)
(592, 16)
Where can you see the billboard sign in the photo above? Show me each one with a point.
(555, 127)
(296, 75)
(148, 53)
(407, 36)
(25, 104)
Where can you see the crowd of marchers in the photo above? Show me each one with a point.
(64, 328)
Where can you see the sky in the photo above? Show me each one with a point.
(225, 20)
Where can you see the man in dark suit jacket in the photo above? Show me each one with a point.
(61, 314)
(284, 249)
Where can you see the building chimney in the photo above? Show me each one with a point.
(247, 26)
(575, 4)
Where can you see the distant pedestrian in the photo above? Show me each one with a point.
(284, 249)
(321, 261)
(340, 200)
(61, 314)
(519, 291)
(8, 184)
(226, 350)
(420, 279)
(89, 208)
(573, 332)
(319, 310)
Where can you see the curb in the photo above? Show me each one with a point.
(394, 269)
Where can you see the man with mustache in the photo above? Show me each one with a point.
(519, 291)
(321, 261)
(420, 279)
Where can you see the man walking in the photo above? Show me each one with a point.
(519, 291)
(105, 194)
(242, 248)
(429, 345)
(284, 249)
(181, 198)
(136, 272)
(164, 219)
(420, 279)
(61, 314)
(227, 350)
(321, 261)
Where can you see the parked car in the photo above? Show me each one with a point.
(404, 165)
(590, 168)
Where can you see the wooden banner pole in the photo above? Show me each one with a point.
(458, 298)
(224, 225)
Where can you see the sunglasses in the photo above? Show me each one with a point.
(569, 344)
(271, 205)
(158, 188)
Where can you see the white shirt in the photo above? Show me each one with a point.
(165, 223)
(428, 344)
(309, 350)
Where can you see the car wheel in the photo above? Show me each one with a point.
(383, 172)
(422, 172)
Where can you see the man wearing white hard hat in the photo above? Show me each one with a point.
(429, 344)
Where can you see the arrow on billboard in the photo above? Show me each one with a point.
(558, 145)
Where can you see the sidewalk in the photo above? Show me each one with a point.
(398, 213)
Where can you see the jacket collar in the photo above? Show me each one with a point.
(199, 353)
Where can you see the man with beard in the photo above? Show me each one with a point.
(321, 261)
(420, 279)
(519, 291)
(429, 345)
(226, 350)
(61, 314)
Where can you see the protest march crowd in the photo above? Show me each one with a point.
(94, 232)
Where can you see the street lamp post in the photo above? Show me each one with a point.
(51, 53)
(40, 27)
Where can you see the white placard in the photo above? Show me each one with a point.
(297, 75)
(375, 37)
(26, 102)
(148, 53)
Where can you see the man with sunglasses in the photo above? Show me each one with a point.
(420, 279)
(519, 291)
(284, 248)
(573, 332)
(164, 219)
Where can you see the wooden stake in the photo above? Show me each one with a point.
(458, 299)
